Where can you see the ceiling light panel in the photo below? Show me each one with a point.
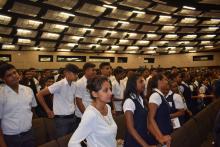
(171, 37)
(117, 34)
(168, 29)
(130, 26)
(188, 22)
(90, 40)
(73, 39)
(187, 12)
(108, 41)
(6, 40)
(26, 33)
(25, 9)
(50, 36)
(10, 47)
(98, 33)
(209, 29)
(107, 24)
(135, 36)
(5, 30)
(209, 36)
(91, 9)
(47, 44)
(109, 1)
(76, 31)
(153, 37)
(84, 21)
(22, 41)
(189, 37)
(138, 4)
(132, 48)
(66, 4)
(210, 22)
(4, 19)
(142, 43)
(27, 23)
(125, 42)
(57, 28)
(163, 9)
(55, 15)
(148, 28)
(145, 18)
(211, 14)
(187, 30)
(163, 19)
(67, 45)
(119, 14)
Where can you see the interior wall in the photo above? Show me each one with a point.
(27, 59)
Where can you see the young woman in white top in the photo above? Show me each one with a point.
(97, 125)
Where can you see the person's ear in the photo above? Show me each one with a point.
(94, 94)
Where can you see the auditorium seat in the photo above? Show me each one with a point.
(63, 141)
(39, 130)
(50, 128)
(120, 121)
(52, 143)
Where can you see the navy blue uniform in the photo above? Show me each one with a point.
(140, 125)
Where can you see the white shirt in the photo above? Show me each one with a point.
(82, 93)
(15, 109)
(117, 92)
(129, 105)
(123, 84)
(178, 101)
(146, 84)
(63, 97)
(155, 97)
(99, 131)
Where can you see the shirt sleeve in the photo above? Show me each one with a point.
(33, 102)
(54, 88)
(155, 98)
(79, 90)
(85, 128)
(181, 89)
(129, 105)
(1, 103)
(178, 101)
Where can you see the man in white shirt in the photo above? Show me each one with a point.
(63, 101)
(16, 102)
(83, 98)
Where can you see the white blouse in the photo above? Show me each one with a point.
(98, 130)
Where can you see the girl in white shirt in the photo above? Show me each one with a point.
(97, 125)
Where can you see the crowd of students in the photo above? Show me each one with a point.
(155, 102)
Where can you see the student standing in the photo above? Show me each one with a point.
(135, 113)
(63, 101)
(97, 125)
(16, 102)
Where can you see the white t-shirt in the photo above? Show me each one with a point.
(82, 93)
(63, 97)
(117, 92)
(98, 130)
(129, 105)
(155, 97)
(15, 109)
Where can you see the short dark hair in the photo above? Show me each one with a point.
(88, 65)
(118, 70)
(155, 79)
(104, 64)
(4, 68)
(72, 68)
(95, 84)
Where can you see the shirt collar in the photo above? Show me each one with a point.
(184, 83)
(169, 93)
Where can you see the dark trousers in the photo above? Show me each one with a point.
(65, 125)
(25, 139)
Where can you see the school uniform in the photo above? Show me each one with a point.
(117, 93)
(187, 94)
(16, 116)
(162, 116)
(64, 106)
(175, 101)
(137, 106)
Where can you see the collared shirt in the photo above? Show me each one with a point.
(82, 93)
(63, 97)
(117, 92)
(155, 97)
(15, 109)
(129, 105)
(178, 100)
(181, 88)
(98, 130)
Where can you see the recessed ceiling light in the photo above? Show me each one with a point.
(109, 6)
(190, 8)
(123, 22)
(138, 12)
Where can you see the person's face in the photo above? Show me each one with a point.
(174, 87)
(104, 94)
(163, 83)
(90, 72)
(178, 79)
(11, 77)
(28, 75)
(34, 73)
(140, 84)
(70, 76)
(106, 71)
